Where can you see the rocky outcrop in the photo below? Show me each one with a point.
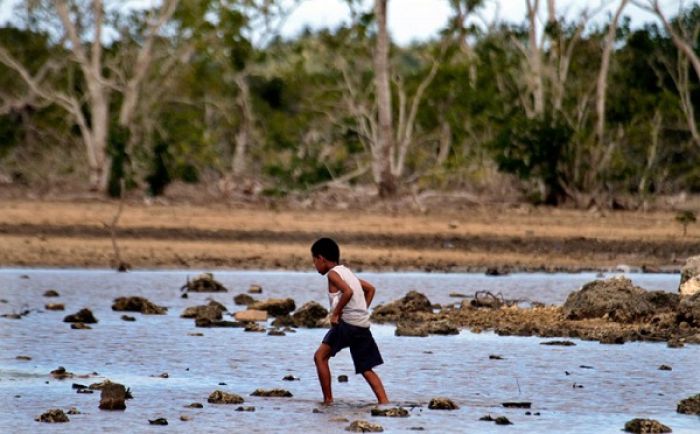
(212, 311)
(205, 282)
(644, 426)
(412, 329)
(616, 299)
(689, 405)
(113, 397)
(690, 277)
(411, 306)
(137, 304)
(689, 310)
(220, 397)
(310, 315)
(83, 316)
(275, 306)
(55, 415)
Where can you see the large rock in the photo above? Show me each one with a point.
(212, 311)
(690, 276)
(113, 397)
(55, 415)
(412, 303)
(205, 282)
(310, 315)
(644, 426)
(83, 316)
(689, 310)
(689, 405)
(617, 298)
(219, 397)
(275, 306)
(251, 315)
(411, 328)
(137, 304)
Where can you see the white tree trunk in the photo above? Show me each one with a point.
(534, 57)
(245, 131)
(602, 85)
(382, 149)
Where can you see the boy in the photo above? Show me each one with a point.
(350, 298)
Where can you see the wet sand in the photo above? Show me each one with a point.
(77, 234)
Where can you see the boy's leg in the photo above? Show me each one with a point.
(323, 353)
(376, 384)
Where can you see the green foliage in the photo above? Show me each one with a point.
(685, 218)
(533, 149)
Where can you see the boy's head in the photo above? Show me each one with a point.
(325, 253)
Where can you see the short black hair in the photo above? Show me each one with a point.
(327, 248)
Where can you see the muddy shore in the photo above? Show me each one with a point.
(78, 234)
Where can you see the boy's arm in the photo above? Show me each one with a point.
(335, 280)
(369, 291)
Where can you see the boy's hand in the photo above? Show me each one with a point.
(335, 318)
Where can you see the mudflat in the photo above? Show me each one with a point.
(244, 236)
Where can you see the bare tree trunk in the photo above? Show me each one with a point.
(651, 156)
(245, 131)
(382, 150)
(601, 89)
(679, 41)
(534, 58)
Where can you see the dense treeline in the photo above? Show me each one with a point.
(206, 91)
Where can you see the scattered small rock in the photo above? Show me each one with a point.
(60, 373)
(665, 368)
(290, 378)
(159, 421)
(689, 405)
(364, 426)
(495, 357)
(246, 408)
(82, 316)
(342, 378)
(502, 420)
(559, 343)
(54, 306)
(127, 318)
(195, 334)
(80, 326)
(276, 332)
(219, 397)
(675, 343)
(254, 327)
(73, 410)
(243, 300)
(442, 403)
(137, 304)
(255, 289)
(205, 282)
(645, 426)
(496, 271)
(523, 404)
(195, 405)
(51, 293)
(77, 386)
(390, 412)
(23, 358)
(85, 391)
(275, 306)
(272, 393)
(185, 418)
(55, 415)
(251, 315)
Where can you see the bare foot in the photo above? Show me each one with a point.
(385, 402)
(328, 403)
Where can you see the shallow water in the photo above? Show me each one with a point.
(624, 381)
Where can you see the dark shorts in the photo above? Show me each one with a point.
(363, 349)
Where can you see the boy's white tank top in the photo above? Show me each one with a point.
(355, 312)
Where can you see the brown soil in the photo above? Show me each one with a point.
(76, 233)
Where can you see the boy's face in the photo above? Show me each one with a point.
(321, 264)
